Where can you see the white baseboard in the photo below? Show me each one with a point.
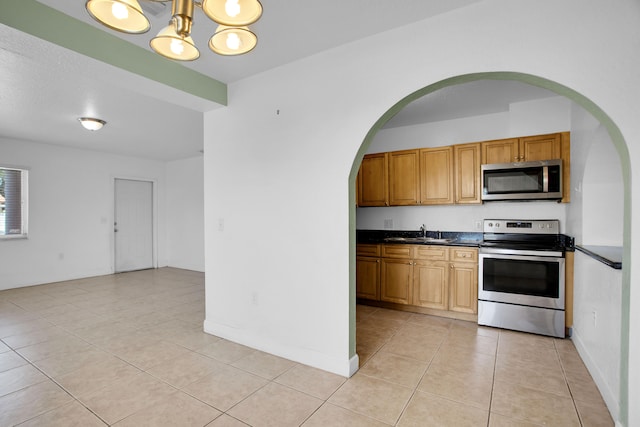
(607, 394)
(344, 367)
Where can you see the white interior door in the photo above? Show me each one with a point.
(133, 225)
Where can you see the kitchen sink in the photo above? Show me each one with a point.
(417, 240)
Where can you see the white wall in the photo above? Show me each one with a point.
(603, 193)
(595, 218)
(596, 329)
(284, 178)
(71, 210)
(185, 214)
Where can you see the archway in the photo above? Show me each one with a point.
(615, 136)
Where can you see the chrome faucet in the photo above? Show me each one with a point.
(424, 231)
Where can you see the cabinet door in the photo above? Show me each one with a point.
(368, 278)
(540, 147)
(403, 178)
(436, 176)
(396, 277)
(500, 151)
(467, 173)
(463, 287)
(373, 181)
(430, 284)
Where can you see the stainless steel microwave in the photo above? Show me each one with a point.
(538, 180)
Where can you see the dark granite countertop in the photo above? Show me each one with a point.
(608, 255)
(454, 238)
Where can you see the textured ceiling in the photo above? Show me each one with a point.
(44, 88)
(288, 29)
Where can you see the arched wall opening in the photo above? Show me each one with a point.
(616, 138)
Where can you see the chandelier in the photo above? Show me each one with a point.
(232, 37)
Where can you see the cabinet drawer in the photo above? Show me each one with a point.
(464, 254)
(398, 251)
(365, 249)
(436, 253)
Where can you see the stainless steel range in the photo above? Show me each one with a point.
(521, 276)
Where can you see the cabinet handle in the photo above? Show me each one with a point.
(516, 158)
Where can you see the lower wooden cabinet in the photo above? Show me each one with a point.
(433, 277)
(368, 271)
(396, 277)
(463, 280)
(430, 284)
(368, 278)
(463, 287)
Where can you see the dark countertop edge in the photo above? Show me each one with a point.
(464, 239)
(604, 254)
(459, 238)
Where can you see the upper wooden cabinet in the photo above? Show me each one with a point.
(526, 149)
(404, 184)
(373, 180)
(540, 147)
(500, 151)
(451, 174)
(467, 173)
(436, 176)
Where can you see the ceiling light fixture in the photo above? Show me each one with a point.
(91, 123)
(232, 37)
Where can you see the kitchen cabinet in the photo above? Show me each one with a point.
(451, 174)
(373, 180)
(467, 173)
(431, 277)
(404, 184)
(540, 147)
(525, 149)
(500, 151)
(463, 281)
(443, 279)
(436, 176)
(396, 273)
(368, 271)
(395, 281)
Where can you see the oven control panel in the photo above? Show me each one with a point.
(519, 226)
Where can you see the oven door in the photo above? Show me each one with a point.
(521, 277)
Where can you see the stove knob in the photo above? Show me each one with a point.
(490, 224)
(497, 224)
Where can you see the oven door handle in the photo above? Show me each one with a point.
(526, 257)
(510, 253)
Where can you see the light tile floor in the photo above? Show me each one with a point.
(128, 350)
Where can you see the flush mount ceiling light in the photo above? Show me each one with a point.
(232, 37)
(90, 123)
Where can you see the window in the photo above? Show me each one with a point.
(13, 202)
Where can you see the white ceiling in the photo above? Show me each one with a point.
(44, 88)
